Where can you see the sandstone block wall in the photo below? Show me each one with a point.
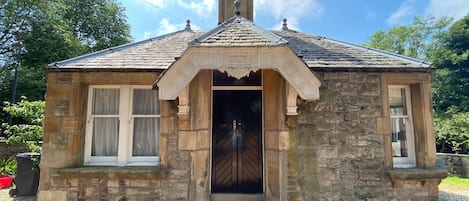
(63, 176)
(337, 152)
(333, 150)
(456, 164)
(8, 150)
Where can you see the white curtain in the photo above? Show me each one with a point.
(146, 129)
(105, 140)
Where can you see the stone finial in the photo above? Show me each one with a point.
(237, 7)
(188, 25)
(284, 24)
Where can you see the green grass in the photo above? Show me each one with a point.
(455, 183)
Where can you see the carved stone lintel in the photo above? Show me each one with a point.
(239, 62)
(238, 73)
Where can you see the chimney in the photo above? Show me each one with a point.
(226, 9)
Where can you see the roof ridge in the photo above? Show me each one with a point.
(112, 49)
(213, 31)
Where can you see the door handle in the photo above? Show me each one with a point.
(233, 124)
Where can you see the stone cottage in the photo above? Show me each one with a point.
(239, 113)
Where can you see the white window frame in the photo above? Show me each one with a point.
(124, 156)
(409, 161)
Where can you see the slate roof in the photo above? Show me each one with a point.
(317, 52)
(238, 31)
(154, 53)
(321, 52)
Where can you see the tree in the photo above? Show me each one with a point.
(99, 28)
(51, 31)
(452, 132)
(418, 40)
(55, 30)
(451, 88)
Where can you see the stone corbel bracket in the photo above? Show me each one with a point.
(183, 105)
(291, 96)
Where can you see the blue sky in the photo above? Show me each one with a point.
(351, 21)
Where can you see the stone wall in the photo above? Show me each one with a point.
(8, 150)
(337, 151)
(333, 150)
(63, 176)
(456, 164)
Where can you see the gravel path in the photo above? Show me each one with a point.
(454, 195)
(4, 196)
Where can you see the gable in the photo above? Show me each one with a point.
(238, 31)
(239, 59)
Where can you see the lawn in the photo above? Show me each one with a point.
(454, 189)
(455, 183)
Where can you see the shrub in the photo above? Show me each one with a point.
(8, 166)
(29, 130)
(452, 132)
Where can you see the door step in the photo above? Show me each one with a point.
(237, 197)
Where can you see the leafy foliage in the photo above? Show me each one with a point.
(8, 166)
(30, 112)
(30, 131)
(50, 31)
(98, 28)
(418, 40)
(451, 87)
(452, 132)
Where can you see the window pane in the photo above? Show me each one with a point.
(399, 137)
(397, 100)
(145, 142)
(145, 102)
(105, 141)
(105, 101)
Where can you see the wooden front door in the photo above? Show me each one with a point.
(237, 142)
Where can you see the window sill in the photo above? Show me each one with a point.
(416, 173)
(113, 173)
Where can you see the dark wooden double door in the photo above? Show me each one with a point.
(237, 142)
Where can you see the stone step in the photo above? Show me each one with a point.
(237, 197)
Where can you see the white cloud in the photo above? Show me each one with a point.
(202, 8)
(452, 8)
(155, 3)
(166, 27)
(399, 16)
(292, 24)
(147, 34)
(293, 8)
